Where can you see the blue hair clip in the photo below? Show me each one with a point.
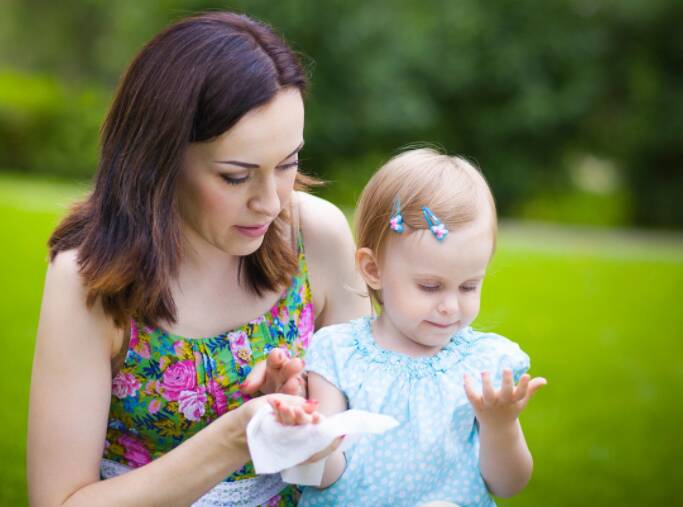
(396, 220)
(438, 229)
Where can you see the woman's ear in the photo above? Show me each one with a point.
(368, 267)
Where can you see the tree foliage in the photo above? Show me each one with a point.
(524, 88)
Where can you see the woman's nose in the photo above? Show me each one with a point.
(266, 200)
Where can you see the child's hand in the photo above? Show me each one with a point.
(294, 415)
(505, 404)
(291, 414)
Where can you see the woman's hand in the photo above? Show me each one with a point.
(277, 374)
(501, 406)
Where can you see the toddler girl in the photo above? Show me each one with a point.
(426, 229)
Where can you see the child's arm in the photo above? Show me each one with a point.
(332, 402)
(504, 458)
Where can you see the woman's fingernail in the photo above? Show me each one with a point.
(244, 384)
(312, 402)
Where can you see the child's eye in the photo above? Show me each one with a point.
(428, 288)
(468, 288)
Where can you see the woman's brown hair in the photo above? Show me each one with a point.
(191, 83)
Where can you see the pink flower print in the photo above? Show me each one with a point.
(154, 406)
(141, 346)
(134, 337)
(124, 384)
(284, 315)
(179, 376)
(136, 453)
(220, 402)
(240, 348)
(306, 322)
(192, 404)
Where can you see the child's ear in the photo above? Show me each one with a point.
(368, 267)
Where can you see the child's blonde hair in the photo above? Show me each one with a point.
(453, 189)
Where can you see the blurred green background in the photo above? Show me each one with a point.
(574, 111)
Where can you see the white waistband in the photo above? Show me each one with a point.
(244, 493)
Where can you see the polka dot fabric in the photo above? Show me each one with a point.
(433, 453)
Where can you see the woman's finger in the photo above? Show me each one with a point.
(292, 367)
(255, 379)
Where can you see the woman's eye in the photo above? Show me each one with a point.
(234, 181)
(289, 165)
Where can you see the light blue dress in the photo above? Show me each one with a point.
(434, 452)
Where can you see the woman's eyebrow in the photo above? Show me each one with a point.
(248, 165)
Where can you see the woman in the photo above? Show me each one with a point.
(196, 257)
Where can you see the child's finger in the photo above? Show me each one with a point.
(288, 415)
(301, 417)
(507, 387)
(535, 385)
(475, 398)
(488, 393)
(311, 406)
(277, 409)
(522, 387)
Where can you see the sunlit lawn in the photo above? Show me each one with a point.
(599, 314)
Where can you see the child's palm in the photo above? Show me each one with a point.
(504, 404)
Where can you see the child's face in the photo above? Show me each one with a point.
(431, 289)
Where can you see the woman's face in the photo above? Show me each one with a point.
(233, 187)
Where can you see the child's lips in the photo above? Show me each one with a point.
(441, 326)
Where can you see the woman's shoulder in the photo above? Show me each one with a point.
(65, 291)
(321, 221)
(330, 253)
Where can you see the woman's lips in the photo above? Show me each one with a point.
(252, 231)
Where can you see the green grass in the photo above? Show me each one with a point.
(598, 312)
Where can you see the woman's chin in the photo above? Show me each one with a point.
(243, 247)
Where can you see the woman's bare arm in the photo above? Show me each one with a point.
(330, 251)
(69, 405)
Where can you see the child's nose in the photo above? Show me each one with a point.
(448, 305)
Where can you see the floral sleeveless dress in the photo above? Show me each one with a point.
(170, 387)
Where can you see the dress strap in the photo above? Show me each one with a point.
(296, 234)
